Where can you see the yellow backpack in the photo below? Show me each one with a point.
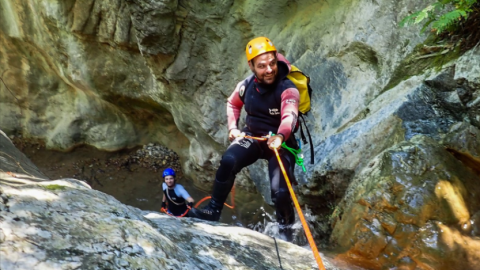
(302, 81)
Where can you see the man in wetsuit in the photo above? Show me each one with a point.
(175, 194)
(271, 102)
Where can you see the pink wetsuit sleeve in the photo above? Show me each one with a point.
(289, 111)
(234, 107)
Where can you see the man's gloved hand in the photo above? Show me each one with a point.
(190, 205)
(234, 133)
(164, 205)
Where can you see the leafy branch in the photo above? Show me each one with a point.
(434, 15)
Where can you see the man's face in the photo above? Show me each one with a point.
(265, 67)
(169, 180)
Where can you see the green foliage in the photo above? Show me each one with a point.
(434, 15)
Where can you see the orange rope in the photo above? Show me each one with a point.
(202, 200)
(166, 212)
(255, 138)
(300, 214)
(232, 200)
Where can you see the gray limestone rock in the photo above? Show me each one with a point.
(64, 224)
(116, 74)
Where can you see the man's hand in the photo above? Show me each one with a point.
(190, 205)
(234, 133)
(275, 142)
(164, 205)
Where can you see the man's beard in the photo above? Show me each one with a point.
(262, 81)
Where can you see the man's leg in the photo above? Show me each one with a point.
(280, 193)
(241, 153)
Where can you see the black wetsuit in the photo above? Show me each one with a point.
(264, 107)
(176, 199)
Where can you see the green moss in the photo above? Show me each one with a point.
(55, 187)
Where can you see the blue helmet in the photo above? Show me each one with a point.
(168, 171)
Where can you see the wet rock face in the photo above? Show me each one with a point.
(80, 71)
(73, 74)
(115, 74)
(439, 105)
(415, 204)
(155, 25)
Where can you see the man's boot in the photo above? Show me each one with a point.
(285, 229)
(214, 208)
(285, 218)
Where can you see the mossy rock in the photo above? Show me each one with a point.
(55, 187)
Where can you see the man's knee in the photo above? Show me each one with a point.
(228, 162)
(226, 172)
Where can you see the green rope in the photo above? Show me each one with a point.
(295, 152)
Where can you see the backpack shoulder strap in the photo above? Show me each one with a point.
(304, 139)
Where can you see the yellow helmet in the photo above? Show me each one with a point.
(257, 46)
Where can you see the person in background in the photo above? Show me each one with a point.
(176, 200)
(271, 102)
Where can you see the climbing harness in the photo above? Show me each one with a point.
(168, 195)
(300, 214)
(169, 213)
